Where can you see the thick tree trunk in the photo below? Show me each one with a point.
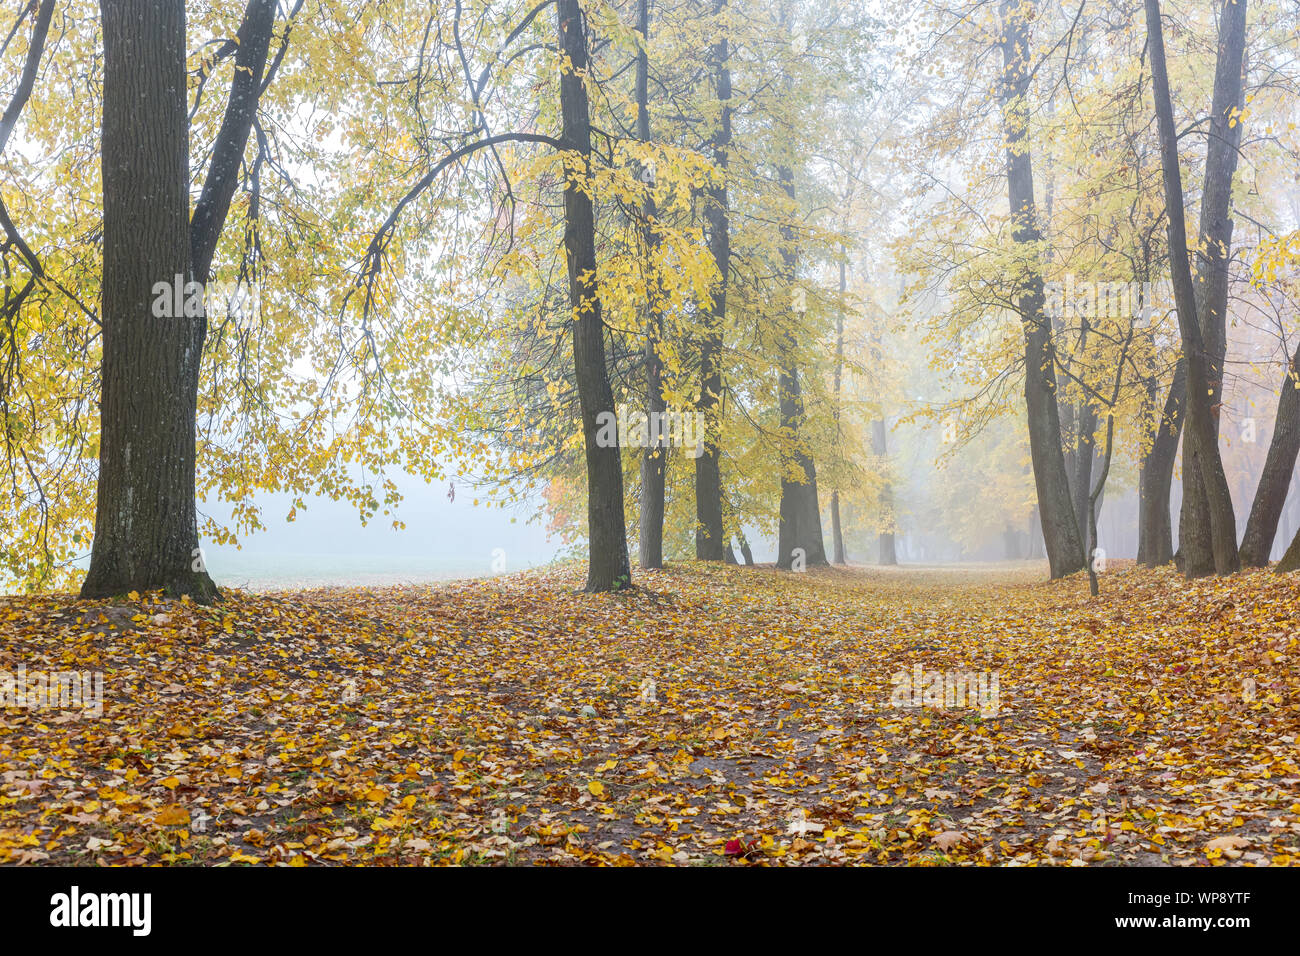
(651, 550)
(800, 526)
(1065, 552)
(607, 564)
(1201, 460)
(708, 466)
(146, 533)
(1155, 527)
(1275, 479)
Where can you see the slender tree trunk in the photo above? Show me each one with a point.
(801, 521)
(651, 550)
(1201, 460)
(1275, 479)
(1094, 500)
(607, 566)
(210, 213)
(1083, 462)
(1065, 552)
(146, 533)
(1291, 560)
(837, 534)
(708, 466)
(1155, 527)
(888, 553)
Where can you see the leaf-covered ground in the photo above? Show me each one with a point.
(513, 721)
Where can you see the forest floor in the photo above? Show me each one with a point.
(792, 719)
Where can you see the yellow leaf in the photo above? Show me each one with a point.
(171, 816)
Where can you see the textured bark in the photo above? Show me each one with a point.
(650, 552)
(146, 534)
(1065, 553)
(1275, 479)
(607, 561)
(801, 520)
(1155, 527)
(709, 534)
(1202, 462)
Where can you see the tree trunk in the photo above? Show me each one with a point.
(708, 466)
(146, 532)
(651, 550)
(1083, 462)
(1155, 527)
(1211, 282)
(607, 563)
(1275, 479)
(1065, 552)
(837, 535)
(801, 521)
(1291, 560)
(1201, 460)
(888, 553)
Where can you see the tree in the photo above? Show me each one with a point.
(607, 562)
(709, 534)
(801, 522)
(146, 533)
(1200, 441)
(1065, 552)
(1275, 479)
(1199, 554)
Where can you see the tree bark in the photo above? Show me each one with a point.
(1065, 552)
(801, 521)
(1275, 479)
(1155, 526)
(607, 561)
(651, 545)
(1201, 459)
(146, 534)
(709, 534)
